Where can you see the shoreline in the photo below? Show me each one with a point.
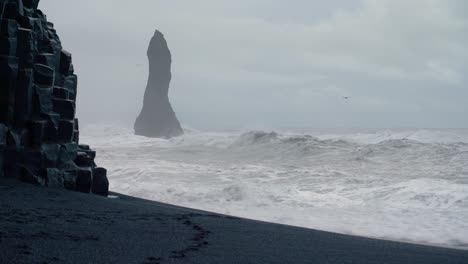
(116, 195)
(42, 225)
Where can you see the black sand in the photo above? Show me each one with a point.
(39, 225)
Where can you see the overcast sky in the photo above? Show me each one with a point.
(274, 63)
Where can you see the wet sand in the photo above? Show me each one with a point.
(40, 225)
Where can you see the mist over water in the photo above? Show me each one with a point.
(409, 185)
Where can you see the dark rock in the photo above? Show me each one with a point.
(68, 166)
(12, 9)
(26, 174)
(84, 147)
(66, 130)
(76, 137)
(8, 46)
(68, 153)
(77, 126)
(43, 99)
(61, 93)
(84, 180)
(51, 154)
(8, 28)
(69, 179)
(55, 178)
(66, 108)
(3, 134)
(23, 97)
(38, 129)
(31, 4)
(2, 158)
(26, 47)
(44, 75)
(3, 139)
(47, 59)
(83, 159)
(100, 182)
(70, 83)
(157, 118)
(8, 79)
(14, 138)
(33, 159)
(65, 62)
(52, 128)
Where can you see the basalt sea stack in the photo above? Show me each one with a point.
(38, 129)
(157, 118)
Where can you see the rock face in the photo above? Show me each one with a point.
(39, 137)
(157, 118)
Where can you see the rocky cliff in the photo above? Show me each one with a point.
(39, 136)
(157, 118)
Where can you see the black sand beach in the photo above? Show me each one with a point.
(41, 225)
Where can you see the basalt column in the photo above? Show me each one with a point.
(157, 118)
(39, 137)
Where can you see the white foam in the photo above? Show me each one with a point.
(407, 185)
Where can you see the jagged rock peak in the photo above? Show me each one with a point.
(157, 118)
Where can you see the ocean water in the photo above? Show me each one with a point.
(405, 185)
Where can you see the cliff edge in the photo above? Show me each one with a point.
(39, 136)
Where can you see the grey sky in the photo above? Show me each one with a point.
(271, 63)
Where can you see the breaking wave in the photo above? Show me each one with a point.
(409, 185)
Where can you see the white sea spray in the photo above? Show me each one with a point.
(409, 185)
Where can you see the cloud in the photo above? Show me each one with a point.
(236, 49)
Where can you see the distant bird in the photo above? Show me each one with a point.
(346, 97)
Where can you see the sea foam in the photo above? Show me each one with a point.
(408, 185)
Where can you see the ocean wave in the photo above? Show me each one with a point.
(255, 138)
(407, 185)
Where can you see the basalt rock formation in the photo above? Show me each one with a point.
(39, 137)
(157, 118)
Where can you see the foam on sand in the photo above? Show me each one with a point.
(409, 185)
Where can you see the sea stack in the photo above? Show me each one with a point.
(157, 118)
(39, 137)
